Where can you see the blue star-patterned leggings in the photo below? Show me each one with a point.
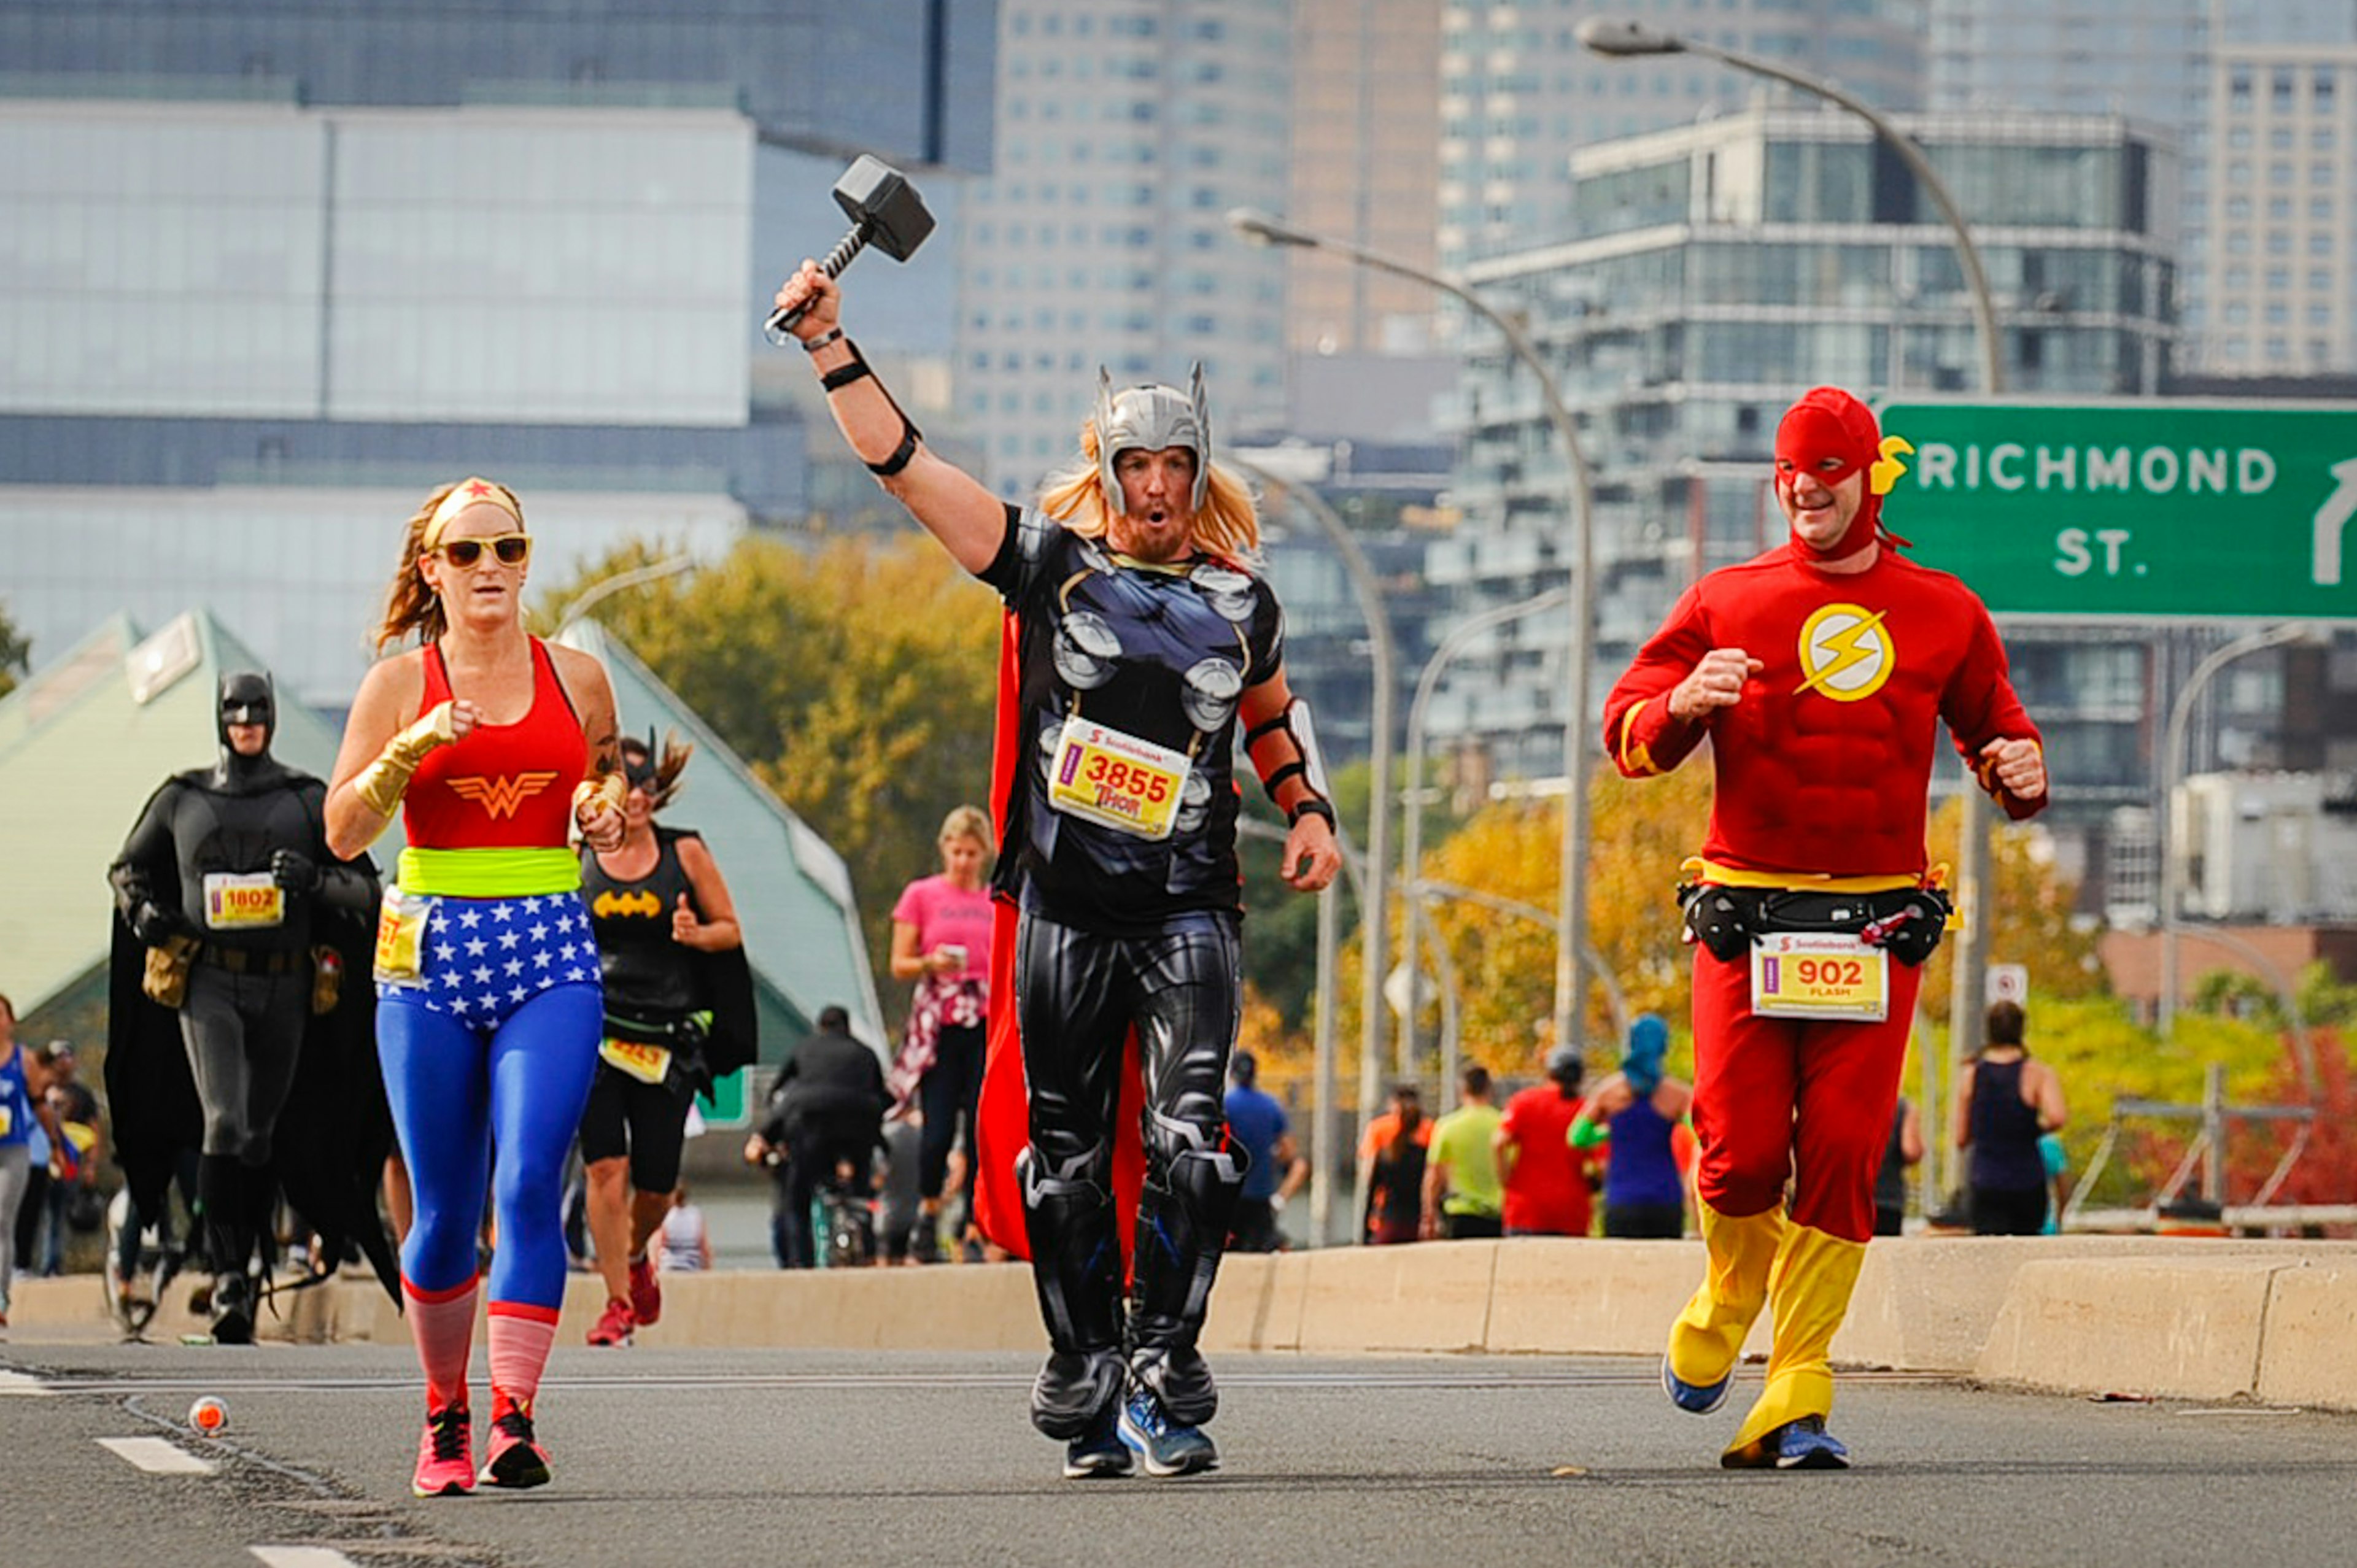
(496, 1049)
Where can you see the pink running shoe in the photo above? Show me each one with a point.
(646, 1295)
(445, 1454)
(517, 1460)
(615, 1325)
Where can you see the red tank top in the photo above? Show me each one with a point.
(504, 786)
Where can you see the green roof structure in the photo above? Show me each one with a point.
(88, 738)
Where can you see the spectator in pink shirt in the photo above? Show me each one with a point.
(941, 939)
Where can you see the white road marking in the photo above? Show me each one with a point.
(22, 1383)
(156, 1455)
(302, 1557)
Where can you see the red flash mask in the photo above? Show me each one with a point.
(1827, 422)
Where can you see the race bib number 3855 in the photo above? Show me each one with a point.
(1118, 780)
(1811, 974)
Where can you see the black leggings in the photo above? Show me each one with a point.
(645, 1121)
(951, 1090)
(1078, 996)
(243, 1033)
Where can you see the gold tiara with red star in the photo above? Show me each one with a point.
(464, 494)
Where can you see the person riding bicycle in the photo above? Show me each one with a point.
(827, 1107)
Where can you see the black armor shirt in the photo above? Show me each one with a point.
(1160, 656)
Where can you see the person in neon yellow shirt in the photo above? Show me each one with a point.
(1463, 1194)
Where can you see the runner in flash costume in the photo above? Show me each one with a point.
(1819, 672)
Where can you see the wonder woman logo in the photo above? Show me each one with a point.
(608, 904)
(1845, 653)
(501, 797)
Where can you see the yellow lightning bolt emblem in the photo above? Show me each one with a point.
(1838, 639)
(1884, 477)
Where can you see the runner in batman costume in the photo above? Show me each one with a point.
(240, 1023)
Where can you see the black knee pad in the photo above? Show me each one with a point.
(1075, 1252)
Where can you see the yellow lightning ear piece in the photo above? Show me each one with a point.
(1884, 477)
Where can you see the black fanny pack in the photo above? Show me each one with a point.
(1905, 922)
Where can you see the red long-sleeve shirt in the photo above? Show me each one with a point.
(1823, 766)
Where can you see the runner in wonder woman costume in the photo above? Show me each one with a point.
(1142, 644)
(492, 745)
(1817, 671)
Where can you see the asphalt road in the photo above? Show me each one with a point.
(671, 1457)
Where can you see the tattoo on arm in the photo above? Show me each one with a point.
(606, 755)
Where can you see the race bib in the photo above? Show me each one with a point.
(243, 900)
(1118, 780)
(1819, 974)
(400, 927)
(646, 1063)
(7, 1119)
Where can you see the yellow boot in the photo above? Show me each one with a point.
(1814, 1275)
(1708, 1335)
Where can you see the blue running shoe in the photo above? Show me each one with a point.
(1696, 1398)
(1804, 1444)
(1098, 1454)
(1165, 1447)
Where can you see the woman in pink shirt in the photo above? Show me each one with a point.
(941, 939)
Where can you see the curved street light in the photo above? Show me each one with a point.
(1374, 927)
(1412, 795)
(1262, 228)
(1620, 39)
(607, 587)
(2172, 771)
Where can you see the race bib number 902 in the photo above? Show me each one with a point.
(1118, 780)
(1811, 974)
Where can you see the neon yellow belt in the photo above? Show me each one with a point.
(1698, 869)
(489, 872)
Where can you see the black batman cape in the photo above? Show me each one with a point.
(328, 1153)
(726, 980)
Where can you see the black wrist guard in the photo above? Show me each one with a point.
(1311, 806)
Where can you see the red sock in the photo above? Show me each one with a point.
(520, 1336)
(442, 1325)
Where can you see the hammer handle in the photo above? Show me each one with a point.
(783, 321)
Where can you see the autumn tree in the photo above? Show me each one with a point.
(857, 679)
(16, 654)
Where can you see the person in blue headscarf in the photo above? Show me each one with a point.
(1639, 1112)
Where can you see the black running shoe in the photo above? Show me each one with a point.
(1098, 1454)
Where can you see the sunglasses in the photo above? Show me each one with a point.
(508, 549)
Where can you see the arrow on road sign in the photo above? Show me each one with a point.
(2332, 519)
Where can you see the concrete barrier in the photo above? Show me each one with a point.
(2174, 1317)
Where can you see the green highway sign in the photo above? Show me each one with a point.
(725, 1106)
(2146, 507)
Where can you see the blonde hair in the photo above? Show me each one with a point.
(1229, 523)
(968, 822)
(409, 603)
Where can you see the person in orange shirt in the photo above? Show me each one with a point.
(1391, 1169)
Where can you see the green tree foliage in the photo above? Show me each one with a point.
(16, 654)
(857, 679)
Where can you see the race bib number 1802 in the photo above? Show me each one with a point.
(1118, 780)
(1814, 974)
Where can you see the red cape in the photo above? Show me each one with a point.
(1003, 1125)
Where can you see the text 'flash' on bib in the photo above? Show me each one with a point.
(1819, 974)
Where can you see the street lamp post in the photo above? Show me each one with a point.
(1263, 229)
(607, 587)
(2172, 769)
(1412, 797)
(1621, 39)
(1374, 927)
